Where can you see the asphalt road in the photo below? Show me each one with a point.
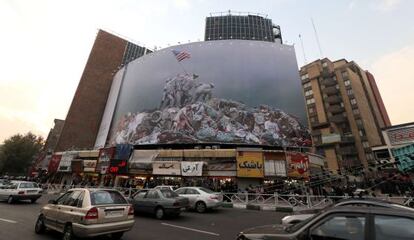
(17, 222)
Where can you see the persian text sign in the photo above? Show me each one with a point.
(250, 164)
(89, 165)
(401, 136)
(166, 168)
(192, 168)
(298, 164)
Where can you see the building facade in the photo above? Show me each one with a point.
(345, 112)
(225, 25)
(82, 122)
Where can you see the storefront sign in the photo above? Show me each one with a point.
(142, 159)
(118, 167)
(54, 163)
(105, 155)
(66, 162)
(401, 136)
(192, 168)
(298, 165)
(89, 165)
(275, 168)
(166, 168)
(250, 164)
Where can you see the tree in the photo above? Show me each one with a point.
(18, 152)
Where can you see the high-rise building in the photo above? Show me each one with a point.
(82, 122)
(345, 112)
(234, 25)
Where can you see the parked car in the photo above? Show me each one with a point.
(292, 219)
(160, 202)
(345, 223)
(170, 187)
(83, 212)
(20, 190)
(4, 182)
(201, 198)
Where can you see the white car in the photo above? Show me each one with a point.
(168, 187)
(20, 190)
(201, 198)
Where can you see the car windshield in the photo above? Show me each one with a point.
(206, 190)
(168, 193)
(103, 197)
(28, 185)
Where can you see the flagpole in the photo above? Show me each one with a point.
(183, 68)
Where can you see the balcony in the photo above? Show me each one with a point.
(336, 109)
(319, 125)
(330, 90)
(334, 99)
(348, 151)
(339, 118)
(326, 73)
(328, 82)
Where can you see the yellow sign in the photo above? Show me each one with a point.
(250, 164)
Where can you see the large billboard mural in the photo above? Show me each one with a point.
(230, 91)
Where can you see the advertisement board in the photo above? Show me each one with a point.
(401, 136)
(118, 167)
(105, 156)
(211, 96)
(192, 168)
(66, 162)
(166, 168)
(298, 165)
(54, 163)
(89, 165)
(250, 164)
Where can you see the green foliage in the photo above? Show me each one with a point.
(18, 152)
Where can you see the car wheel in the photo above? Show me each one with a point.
(40, 225)
(10, 200)
(68, 233)
(117, 236)
(201, 207)
(159, 213)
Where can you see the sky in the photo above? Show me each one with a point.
(44, 45)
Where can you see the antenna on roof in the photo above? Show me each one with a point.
(317, 38)
(303, 49)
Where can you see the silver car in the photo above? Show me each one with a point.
(201, 198)
(293, 219)
(86, 212)
(20, 190)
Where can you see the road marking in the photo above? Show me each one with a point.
(7, 220)
(191, 229)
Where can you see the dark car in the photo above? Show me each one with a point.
(160, 202)
(353, 223)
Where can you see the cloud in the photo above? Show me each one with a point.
(395, 76)
(387, 5)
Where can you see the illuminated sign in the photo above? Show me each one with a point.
(118, 167)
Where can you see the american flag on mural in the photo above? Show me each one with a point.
(180, 55)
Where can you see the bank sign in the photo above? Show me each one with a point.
(250, 164)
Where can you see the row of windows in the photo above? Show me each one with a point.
(306, 85)
(309, 92)
(310, 101)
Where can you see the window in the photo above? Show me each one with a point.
(311, 110)
(349, 91)
(365, 144)
(153, 194)
(342, 104)
(337, 86)
(181, 191)
(310, 101)
(355, 111)
(73, 199)
(344, 74)
(28, 185)
(359, 122)
(168, 193)
(305, 76)
(192, 191)
(306, 85)
(347, 83)
(309, 92)
(340, 227)
(312, 119)
(140, 194)
(353, 101)
(63, 198)
(102, 197)
(393, 227)
(370, 157)
(362, 132)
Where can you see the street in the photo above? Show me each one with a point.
(17, 222)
